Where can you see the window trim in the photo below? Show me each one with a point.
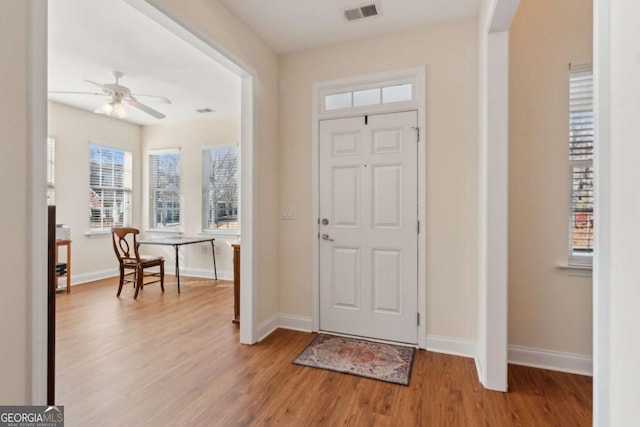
(222, 233)
(105, 231)
(153, 228)
(577, 270)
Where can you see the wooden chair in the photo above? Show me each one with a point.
(125, 246)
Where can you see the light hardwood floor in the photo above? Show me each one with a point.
(174, 360)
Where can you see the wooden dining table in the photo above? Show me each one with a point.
(178, 241)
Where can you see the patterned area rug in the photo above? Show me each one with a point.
(383, 362)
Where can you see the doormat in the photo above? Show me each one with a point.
(378, 361)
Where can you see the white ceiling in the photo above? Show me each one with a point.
(294, 25)
(88, 39)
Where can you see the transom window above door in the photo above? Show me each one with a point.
(402, 92)
(387, 91)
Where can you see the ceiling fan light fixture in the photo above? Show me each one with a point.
(118, 110)
(113, 109)
(105, 109)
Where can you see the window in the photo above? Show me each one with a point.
(51, 171)
(397, 93)
(110, 188)
(366, 97)
(374, 96)
(220, 189)
(338, 101)
(581, 165)
(165, 201)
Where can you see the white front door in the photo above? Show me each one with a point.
(369, 226)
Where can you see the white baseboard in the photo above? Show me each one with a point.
(453, 346)
(555, 361)
(204, 273)
(267, 327)
(479, 370)
(78, 279)
(437, 344)
(284, 321)
(294, 322)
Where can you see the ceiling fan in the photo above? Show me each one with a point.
(118, 93)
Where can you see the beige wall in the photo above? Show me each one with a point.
(548, 308)
(450, 55)
(191, 137)
(74, 130)
(14, 187)
(215, 24)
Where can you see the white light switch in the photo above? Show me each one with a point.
(287, 213)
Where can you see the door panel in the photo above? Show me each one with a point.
(346, 196)
(369, 246)
(346, 278)
(387, 283)
(387, 196)
(345, 144)
(387, 140)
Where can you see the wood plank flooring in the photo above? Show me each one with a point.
(174, 360)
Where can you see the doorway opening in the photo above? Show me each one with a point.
(38, 111)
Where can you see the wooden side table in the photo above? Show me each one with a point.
(236, 283)
(66, 243)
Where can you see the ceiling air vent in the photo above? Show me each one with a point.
(369, 10)
(361, 12)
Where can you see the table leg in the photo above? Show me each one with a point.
(177, 267)
(213, 252)
(69, 267)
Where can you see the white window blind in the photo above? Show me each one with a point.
(581, 165)
(110, 188)
(51, 171)
(165, 204)
(220, 189)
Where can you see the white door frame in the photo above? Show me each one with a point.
(37, 110)
(416, 76)
(190, 34)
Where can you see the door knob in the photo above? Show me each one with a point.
(325, 236)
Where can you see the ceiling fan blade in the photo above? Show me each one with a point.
(104, 88)
(162, 99)
(148, 110)
(77, 93)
